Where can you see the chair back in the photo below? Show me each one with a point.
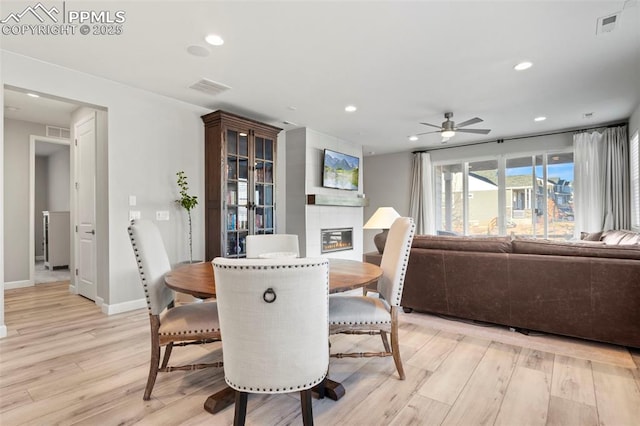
(274, 322)
(153, 263)
(271, 243)
(394, 260)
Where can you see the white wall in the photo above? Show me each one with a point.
(305, 148)
(634, 122)
(40, 201)
(150, 138)
(3, 327)
(16, 197)
(59, 178)
(387, 183)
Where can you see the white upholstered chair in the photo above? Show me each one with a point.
(271, 243)
(193, 323)
(378, 315)
(273, 318)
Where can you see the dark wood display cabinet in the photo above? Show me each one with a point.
(240, 189)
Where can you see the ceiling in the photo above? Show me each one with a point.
(299, 63)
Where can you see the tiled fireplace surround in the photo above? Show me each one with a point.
(304, 151)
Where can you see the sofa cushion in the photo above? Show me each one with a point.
(621, 237)
(459, 243)
(565, 248)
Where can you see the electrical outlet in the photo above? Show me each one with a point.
(132, 200)
(134, 214)
(162, 215)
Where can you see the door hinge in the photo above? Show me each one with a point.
(76, 142)
(76, 272)
(76, 228)
(77, 185)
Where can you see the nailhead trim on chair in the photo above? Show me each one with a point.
(284, 389)
(267, 266)
(208, 330)
(140, 269)
(358, 322)
(407, 251)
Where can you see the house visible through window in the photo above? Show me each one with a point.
(526, 195)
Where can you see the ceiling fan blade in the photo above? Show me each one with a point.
(426, 133)
(470, 122)
(432, 125)
(479, 131)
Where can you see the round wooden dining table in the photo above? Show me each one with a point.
(197, 279)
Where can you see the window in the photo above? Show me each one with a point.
(634, 168)
(528, 195)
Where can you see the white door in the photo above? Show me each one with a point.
(85, 141)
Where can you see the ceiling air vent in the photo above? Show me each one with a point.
(209, 87)
(606, 24)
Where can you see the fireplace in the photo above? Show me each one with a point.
(337, 239)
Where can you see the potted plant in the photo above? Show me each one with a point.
(188, 202)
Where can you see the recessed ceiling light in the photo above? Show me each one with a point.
(350, 108)
(196, 50)
(523, 66)
(214, 40)
(541, 118)
(33, 95)
(413, 138)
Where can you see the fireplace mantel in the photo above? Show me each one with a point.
(336, 200)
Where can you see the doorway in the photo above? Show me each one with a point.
(49, 207)
(25, 110)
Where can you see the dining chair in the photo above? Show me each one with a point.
(378, 315)
(271, 243)
(273, 317)
(179, 325)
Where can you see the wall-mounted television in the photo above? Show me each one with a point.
(340, 171)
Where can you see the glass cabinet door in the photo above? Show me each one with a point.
(264, 201)
(236, 226)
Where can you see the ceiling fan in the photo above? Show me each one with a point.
(449, 128)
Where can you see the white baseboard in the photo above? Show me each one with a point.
(73, 289)
(3, 331)
(119, 308)
(18, 284)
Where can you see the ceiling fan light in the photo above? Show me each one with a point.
(448, 133)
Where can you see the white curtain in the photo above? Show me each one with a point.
(601, 182)
(617, 192)
(421, 205)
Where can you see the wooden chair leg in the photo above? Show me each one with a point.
(167, 354)
(241, 409)
(153, 368)
(385, 341)
(395, 345)
(307, 412)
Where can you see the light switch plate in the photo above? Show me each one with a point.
(162, 215)
(134, 214)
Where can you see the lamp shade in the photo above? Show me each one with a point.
(382, 218)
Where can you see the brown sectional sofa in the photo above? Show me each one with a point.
(588, 289)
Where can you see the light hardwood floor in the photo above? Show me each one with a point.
(64, 362)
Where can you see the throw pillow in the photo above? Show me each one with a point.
(590, 236)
